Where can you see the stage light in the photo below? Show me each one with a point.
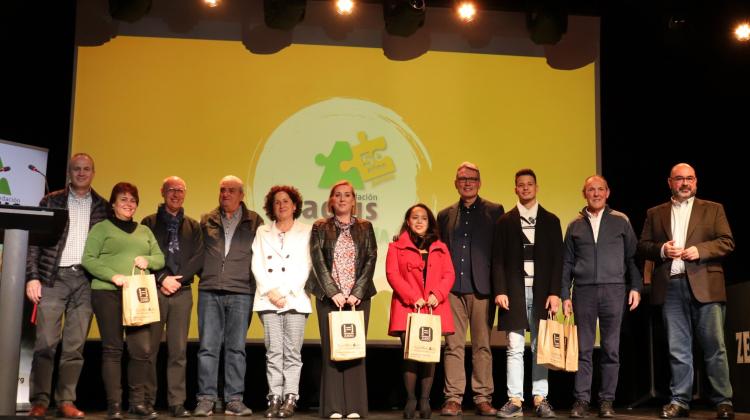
(403, 17)
(466, 10)
(742, 32)
(283, 14)
(344, 7)
(211, 3)
(129, 10)
(547, 21)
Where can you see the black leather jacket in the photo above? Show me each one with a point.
(322, 243)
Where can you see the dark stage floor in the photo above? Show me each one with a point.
(622, 413)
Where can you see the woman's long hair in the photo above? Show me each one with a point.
(431, 235)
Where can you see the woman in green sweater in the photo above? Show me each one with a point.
(112, 248)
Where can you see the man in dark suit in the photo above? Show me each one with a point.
(687, 238)
(467, 228)
(526, 274)
(181, 240)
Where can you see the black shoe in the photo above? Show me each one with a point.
(410, 408)
(544, 409)
(179, 411)
(114, 411)
(425, 411)
(142, 412)
(580, 409)
(606, 410)
(724, 411)
(274, 402)
(673, 410)
(288, 407)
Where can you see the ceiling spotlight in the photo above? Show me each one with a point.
(742, 32)
(466, 10)
(547, 21)
(344, 7)
(283, 14)
(211, 3)
(403, 17)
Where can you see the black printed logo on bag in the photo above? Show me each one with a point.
(142, 293)
(348, 330)
(556, 340)
(425, 334)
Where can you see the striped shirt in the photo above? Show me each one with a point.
(528, 227)
(79, 215)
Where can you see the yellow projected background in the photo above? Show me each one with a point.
(147, 108)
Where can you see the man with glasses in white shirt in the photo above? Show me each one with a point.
(687, 238)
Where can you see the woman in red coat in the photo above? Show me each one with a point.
(420, 271)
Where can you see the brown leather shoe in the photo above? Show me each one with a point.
(724, 411)
(451, 408)
(672, 410)
(69, 411)
(38, 410)
(484, 408)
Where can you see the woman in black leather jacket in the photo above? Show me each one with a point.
(343, 251)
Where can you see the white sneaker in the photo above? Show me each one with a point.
(352, 416)
(335, 416)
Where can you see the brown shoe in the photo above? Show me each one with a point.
(672, 410)
(484, 408)
(451, 408)
(38, 410)
(69, 411)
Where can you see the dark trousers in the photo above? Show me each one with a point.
(175, 311)
(343, 385)
(607, 303)
(70, 296)
(108, 310)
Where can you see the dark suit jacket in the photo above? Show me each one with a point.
(191, 247)
(507, 266)
(708, 230)
(482, 236)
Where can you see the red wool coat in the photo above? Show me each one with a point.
(404, 270)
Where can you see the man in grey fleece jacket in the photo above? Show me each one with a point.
(598, 259)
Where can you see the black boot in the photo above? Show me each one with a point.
(274, 402)
(287, 408)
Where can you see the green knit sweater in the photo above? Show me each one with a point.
(109, 250)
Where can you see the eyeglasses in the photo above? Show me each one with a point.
(686, 179)
(175, 191)
(467, 180)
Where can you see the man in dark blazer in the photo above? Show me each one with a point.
(526, 274)
(467, 228)
(181, 240)
(687, 238)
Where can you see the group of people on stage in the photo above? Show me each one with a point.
(470, 260)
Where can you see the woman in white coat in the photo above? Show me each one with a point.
(281, 266)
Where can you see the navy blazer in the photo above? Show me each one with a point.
(482, 235)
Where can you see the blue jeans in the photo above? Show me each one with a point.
(516, 348)
(223, 318)
(684, 317)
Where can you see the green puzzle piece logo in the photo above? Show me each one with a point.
(4, 186)
(357, 164)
